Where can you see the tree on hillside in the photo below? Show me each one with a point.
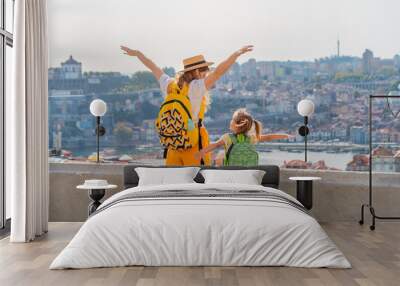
(169, 71)
(139, 81)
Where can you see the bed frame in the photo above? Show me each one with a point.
(270, 179)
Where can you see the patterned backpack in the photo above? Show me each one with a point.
(241, 152)
(174, 122)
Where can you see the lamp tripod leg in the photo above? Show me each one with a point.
(372, 210)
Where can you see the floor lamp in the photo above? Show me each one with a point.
(98, 108)
(305, 108)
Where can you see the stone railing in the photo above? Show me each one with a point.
(337, 197)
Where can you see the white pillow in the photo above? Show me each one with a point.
(166, 176)
(248, 177)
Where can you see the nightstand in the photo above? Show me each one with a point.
(96, 191)
(304, 190)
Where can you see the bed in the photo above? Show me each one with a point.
(198, 224)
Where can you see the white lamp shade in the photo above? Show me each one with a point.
(305, 107)
(98, 107)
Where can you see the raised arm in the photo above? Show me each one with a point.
(223, 67)
(157, 72)
(275, 136)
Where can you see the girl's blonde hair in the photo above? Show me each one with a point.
(242, 122)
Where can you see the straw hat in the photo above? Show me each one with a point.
(195, 62)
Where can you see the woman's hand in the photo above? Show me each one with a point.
(223, 67)
(157, 72)
(244, 50)
(130, 52)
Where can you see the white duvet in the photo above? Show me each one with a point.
(200, 231)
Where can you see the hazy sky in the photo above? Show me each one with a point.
(167, 31)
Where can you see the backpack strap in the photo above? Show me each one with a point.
(200, 124)
(183, 98)
(233, 138)
(165, 153)
(233, 142)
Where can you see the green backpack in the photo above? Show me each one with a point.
(241, 152)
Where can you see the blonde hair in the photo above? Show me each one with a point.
(187, 77)
(242, 122)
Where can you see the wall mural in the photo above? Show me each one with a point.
(241, 110)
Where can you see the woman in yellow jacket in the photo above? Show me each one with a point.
(197, 76)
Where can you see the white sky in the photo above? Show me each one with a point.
(167, 31)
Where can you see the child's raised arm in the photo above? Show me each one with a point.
(223, 67)
(157, 72)
(200, 154)
(273, 136)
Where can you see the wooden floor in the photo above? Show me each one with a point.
(375, 257)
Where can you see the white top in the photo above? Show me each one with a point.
(197, 89)
(305, 178)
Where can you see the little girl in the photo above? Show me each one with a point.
(245, 129)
